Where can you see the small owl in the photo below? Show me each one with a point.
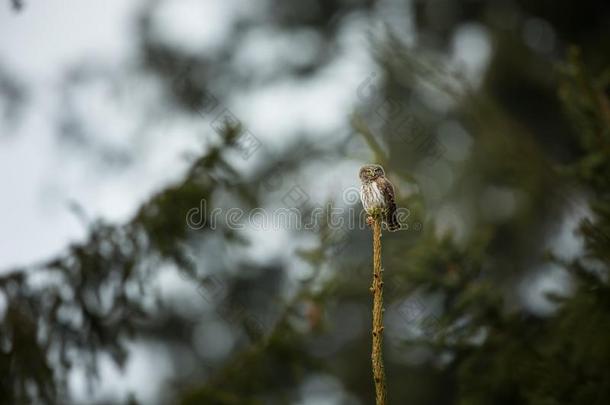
(377, 192)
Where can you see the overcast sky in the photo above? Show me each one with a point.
(42, 177)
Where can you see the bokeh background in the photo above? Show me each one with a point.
(124, 126)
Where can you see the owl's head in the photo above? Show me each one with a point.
(371, 172)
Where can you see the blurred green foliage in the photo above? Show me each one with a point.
(538, 126)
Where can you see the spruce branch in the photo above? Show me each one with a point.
(377, 291)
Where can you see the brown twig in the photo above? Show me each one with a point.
(377, 291)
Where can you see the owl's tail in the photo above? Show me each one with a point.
(392, 219)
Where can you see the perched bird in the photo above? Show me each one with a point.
(377, 192)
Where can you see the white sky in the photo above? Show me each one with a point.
(41, 177)
(37, 45)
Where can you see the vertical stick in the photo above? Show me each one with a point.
(377, 290)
